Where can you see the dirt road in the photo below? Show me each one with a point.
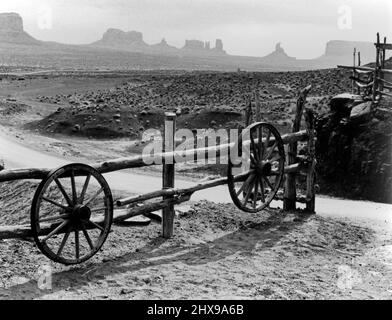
(342, 252)
(17, 155)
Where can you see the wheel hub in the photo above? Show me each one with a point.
(81, 214)
(264, 168)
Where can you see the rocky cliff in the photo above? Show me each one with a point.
(11, 30)
(115, 38)
(341, 51)
(355, 159)
(279, 56)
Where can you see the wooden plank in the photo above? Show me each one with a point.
(248, 113)
(24, 231)
(310, 178)
(138, 161)
(385, 93)
(151, 207)
(384, 46)
(290, 182)
(389, 71)
(258, 107)
(295, 168)
(385, 81)
(168, 175)
(376, 70)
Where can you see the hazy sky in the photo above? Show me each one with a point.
(247, 27)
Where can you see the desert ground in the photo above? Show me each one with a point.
(93, 116)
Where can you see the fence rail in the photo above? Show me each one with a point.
(169, 196)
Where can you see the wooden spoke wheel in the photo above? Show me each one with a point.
(256, 167)
(71, 214)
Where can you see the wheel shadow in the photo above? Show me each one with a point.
(245, 241)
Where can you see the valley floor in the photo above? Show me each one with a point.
(217, 251)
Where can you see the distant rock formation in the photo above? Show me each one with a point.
(344, 50)
(279, 56)
(194, 45)
(164, 47)
(133, 41)
(197, 47)
(11, 30)
(200, 54)
(116, 38)
(219, 45)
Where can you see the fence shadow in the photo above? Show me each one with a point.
(259, 237)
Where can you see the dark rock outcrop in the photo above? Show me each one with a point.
(355, 159)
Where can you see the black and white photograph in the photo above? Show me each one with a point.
(195, 150)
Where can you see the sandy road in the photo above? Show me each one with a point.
(17, 155)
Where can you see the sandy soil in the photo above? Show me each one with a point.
(217, 252)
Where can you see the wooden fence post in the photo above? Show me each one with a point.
(359, 64)
(258, 107)
(311, 175)
(354, 72)
(168, 173)
(382, 63)
(248, 113)
(376, 69)
(290, 193)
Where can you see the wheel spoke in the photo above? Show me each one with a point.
(55, 231)
(63, 216)
(254, 147)
(97, 225)
(55, 203)
(77, 244)
(63, 243)
(262, 190)
(271, 151)
(252, 159)
(248, 192)
(261, 147)
(94, 197)
(66, 197)
(74, 195)
(245, 184)
(84, 190)
(267, 141)
(255, 194)
(268, 183)
(86, 235)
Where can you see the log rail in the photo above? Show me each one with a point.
(170, 196)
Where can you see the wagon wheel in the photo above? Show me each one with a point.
(256, 170)
(71, 214)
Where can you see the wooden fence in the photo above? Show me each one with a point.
(169, 196)
(371, 81)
